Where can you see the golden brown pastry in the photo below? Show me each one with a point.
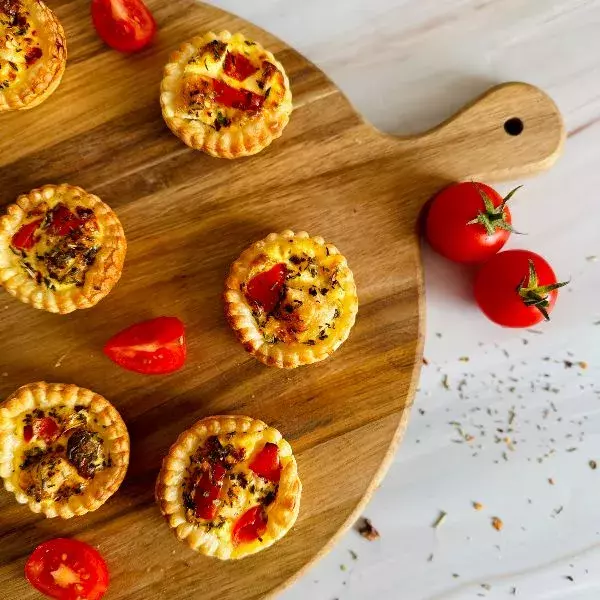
(33, 53)
(229, 487)
(60, 248)
(64, 450)
(291, 299)
(225, 95)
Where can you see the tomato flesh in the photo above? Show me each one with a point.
(125, 25)
(67, 569)
(207, 490)
(62, 221)
(250, 526)
(25, 238)
(267, 464)
(152, 347)
(496, 288)
(264, 289)
(447, 225)
(45, 428)
(233, 98)
(238, 66)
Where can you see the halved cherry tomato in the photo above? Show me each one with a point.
(238, 66)
(207, 490)
(468, 222)
(125, 25)
(151, 347)
(240, 99)
(264, 289)
(45, 428)
(25, 239)
(68, 570)
(250, 526)
(516, 288)
(266, 464)
(62, 221)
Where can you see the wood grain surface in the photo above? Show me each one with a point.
(187, 217)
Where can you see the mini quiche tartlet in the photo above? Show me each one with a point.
(229, 487)
(225, 95)
(64, 450)
(60, 249)
(33, 53)
(291, 299)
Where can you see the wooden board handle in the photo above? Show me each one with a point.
(512, 130)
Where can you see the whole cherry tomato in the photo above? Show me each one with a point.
(468, 222)
(516, 288)
(125, 25)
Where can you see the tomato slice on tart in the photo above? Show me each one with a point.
(45, 428)
(250, 526)
(264, 289)
(207, 491)
(67, 569)
(237, 66)
(25, 238)
(266, 464)
(152, 347)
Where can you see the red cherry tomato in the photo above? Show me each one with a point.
(516, 288)
(264, 289)
(238, 66)
(468, 222)
(62, 221)
(266, 463)
(207, 490)
(45, 428)
(125, 25)
(151, 347)
(25, 238)
(68, 570)
(240, 99)
(250, 526)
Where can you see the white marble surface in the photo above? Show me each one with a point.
(407, 64)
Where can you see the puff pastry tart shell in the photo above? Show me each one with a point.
(225, 95)
(229, 487)
(291, 299)
(64, 450)
(61, 248)
(33, 53)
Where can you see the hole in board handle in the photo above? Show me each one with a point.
(514, 126)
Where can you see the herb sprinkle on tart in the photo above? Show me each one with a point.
(33, 53)
(225, 95)
(229, 487)
(61, 249)
(64, 450)
(291, 299)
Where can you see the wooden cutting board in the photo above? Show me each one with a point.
(187, 217)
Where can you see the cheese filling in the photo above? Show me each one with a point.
(227, 83)
(56, 245)
(60, 452)
(20, 48)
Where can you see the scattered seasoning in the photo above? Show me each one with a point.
(557, 511)
(445, 382)
(367, 530)
(464, 359)
(455, 575)
(582, 364)
(477, 506)
(425, 361)
(486, 586)
(342, 567)
(430, 558)
(593, 465)
(513, 591)
(353, 554)
(440, 520)
(591, 258)
(550, 481)
(569, 577)
(497, 523)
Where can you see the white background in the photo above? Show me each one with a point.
(406, 65)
